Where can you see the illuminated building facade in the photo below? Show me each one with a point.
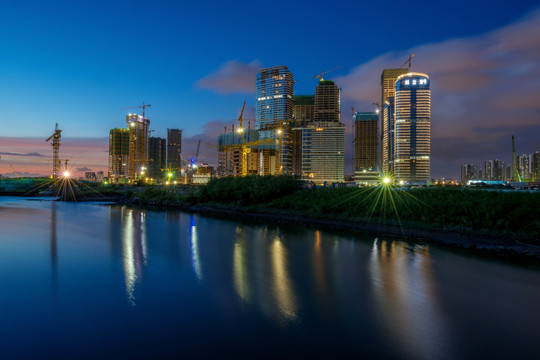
(388, 90)
(412, 144)
(274, 112)
(303, 114)
(118, 155)
(365, 147)
(323, 152)
(387, 154)
(174, 149)
(138, 145)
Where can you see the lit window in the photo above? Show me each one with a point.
(406, 82)
(414, 82)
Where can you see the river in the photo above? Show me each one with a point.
(84, 280)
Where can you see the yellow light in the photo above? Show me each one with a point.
(240, 130)
(386, 180)
(279, 131)
(169, 174)
(142, 172)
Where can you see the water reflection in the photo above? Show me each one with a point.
(261, 274)
(240, 267)
(405, 297)
(195, 256)
(134, 251)
(282, 283)
(54, 248)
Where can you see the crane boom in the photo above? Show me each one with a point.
(408, 62)
(326, 72)
(143, 106)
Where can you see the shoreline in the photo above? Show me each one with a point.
(478, 244)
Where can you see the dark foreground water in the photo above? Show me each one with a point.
(96, 281)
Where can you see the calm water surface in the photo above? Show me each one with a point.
(97, 281)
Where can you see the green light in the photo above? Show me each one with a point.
(169, 174)
(387, 180)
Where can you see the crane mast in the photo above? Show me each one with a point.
(56, 149)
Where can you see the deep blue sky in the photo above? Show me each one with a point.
(80, 62)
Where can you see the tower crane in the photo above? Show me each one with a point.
(326, 72)
(143, 106)
(408, 62)
(56, 148)
(194, 159)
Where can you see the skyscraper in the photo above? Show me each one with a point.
(388, 90)
(274, 110)
(322, 140)
(118, 154)
(365, 141)
(174, 149)
(387, 150)
(412, 145)
(303, 114)
(138, 145)
(156, 157)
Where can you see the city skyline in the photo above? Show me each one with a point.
(484, 74)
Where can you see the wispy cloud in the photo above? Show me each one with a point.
(484, 89)
(32, 154)
(234, 76)
(83, 169)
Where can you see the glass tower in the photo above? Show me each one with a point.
(118, 154)
(274, 112)
(412, 136)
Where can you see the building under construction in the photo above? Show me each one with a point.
(138, 146)
(238, 153)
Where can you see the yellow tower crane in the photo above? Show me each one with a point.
(326, 72)
(408, 63)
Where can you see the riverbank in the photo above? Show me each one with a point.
(495, 222)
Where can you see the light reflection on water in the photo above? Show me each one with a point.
(334, 293)
(406, 296)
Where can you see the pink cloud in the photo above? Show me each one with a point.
(234, 76)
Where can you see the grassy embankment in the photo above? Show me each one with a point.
(512, 215)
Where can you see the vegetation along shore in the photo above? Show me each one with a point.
(504, 222)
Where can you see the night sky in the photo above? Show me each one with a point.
(79, 63)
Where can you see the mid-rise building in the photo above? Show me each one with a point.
(323, 153)
(388, 90)
(468, 172)
(100, 176)
(156, 157)
(274, 113)
(118, 155)
(412, 136)
(138, 145)
(174, 149)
